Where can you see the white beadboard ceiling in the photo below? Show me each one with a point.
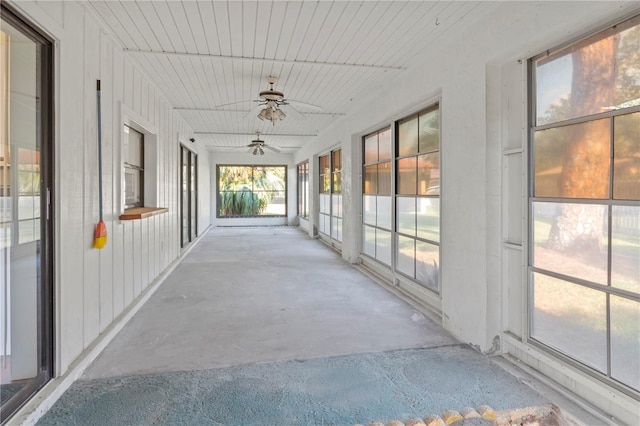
(206, 55)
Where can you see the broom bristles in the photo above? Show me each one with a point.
(100, 235)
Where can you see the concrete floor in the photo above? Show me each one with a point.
(248, 295)
(267, 326)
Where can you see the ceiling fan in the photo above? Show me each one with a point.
(256, 146)
(271, 103)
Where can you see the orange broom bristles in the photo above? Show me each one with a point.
(100, 235)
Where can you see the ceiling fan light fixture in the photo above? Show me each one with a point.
(272, 113)
(260, 151)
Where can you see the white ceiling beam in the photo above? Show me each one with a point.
(253, 59)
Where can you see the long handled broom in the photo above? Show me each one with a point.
(100, 232)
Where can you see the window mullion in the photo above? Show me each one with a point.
(587, 118)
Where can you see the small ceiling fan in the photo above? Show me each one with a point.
(274, 106)
(256, 146)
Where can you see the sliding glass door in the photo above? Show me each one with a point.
(26, 273)
(188, 195)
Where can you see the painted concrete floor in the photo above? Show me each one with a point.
(267, 326)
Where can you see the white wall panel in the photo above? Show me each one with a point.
(91, 55)
(71, 193)
(128, 83)
(116, 240)
(55, 9)
(128, 265)
(136, 254)
(114, 229)
(153, 249)
(144, 99)
(95, 286)
(136, 105)
(105, 273)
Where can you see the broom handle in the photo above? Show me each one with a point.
(99, 152)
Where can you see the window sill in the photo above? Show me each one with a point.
(142, 212)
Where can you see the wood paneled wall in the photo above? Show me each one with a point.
(94, 286)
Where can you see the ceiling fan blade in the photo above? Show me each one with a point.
(254, 110)
(229, 147)
(270, 148)
(231, 103)
(289, 109)
(303, 105)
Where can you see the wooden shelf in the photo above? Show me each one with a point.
(142, 212)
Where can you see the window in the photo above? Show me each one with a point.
(303, 190)
(133, 160)
(584, 223)
(249, 191)
(411, 245)
(330, 217)
(324, 217)
(418, 197)
(336, 195)
(140, 167)
(376, 198)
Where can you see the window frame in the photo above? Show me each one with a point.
(253, 167)
(149, 189)
(391, 161)
(417, 195)
(136, 169)
(608, 203)
(327, 187)
(46, 75)
(303, 189)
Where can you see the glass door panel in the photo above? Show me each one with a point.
(193, 185)
(188, 196)
(184, 196)
(25, 237)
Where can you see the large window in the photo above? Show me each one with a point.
(411, 245)
(246, 191)
(330, 217)
(584, 262)
(303, 190)
(376, 199)
(418, 197)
